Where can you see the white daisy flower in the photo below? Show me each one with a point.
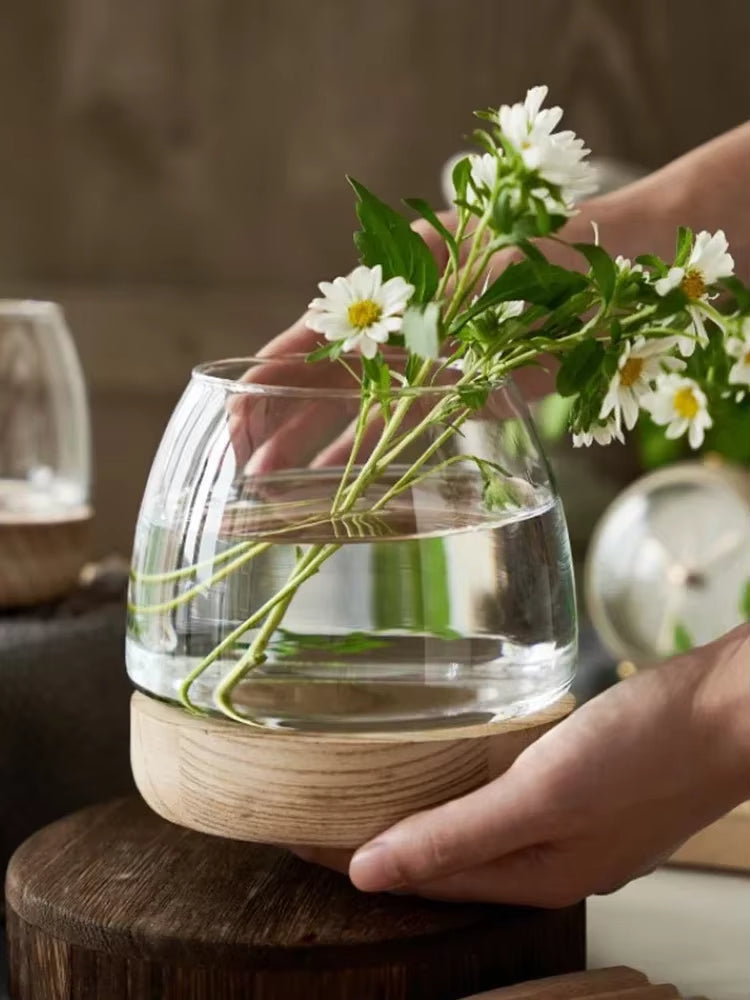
(362, 309)
(483, 175)
(708, 262)
(604, 433)
(640, 362)
(679, 404)
(558, 157)
(739, 347)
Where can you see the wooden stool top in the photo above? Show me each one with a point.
(118, 880)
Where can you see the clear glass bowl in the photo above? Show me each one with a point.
(448, 601)
(45, 461)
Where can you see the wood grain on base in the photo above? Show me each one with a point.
(283, 788)
(112, 903)
(40, 560)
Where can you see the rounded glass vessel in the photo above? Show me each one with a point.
(45, 464)
(298, 565)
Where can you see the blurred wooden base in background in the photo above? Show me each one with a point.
(723, 845)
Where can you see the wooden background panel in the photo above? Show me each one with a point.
(207, 140)
(174, 171)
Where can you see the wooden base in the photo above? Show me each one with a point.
(724, 845)
(285, 788)
(113, 903)
(40, 560)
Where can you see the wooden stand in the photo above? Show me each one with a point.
(113, 903)
(287, 788)
(41, 560)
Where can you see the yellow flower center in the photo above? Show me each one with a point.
(685, 403)
(693, 284)
(364, 313)
(631, 371)
(747, 358)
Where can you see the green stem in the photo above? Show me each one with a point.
(229, 640)
(187, 571)
(408, 480)
(306, 567)
(354, 451)
(466, 282)
(201, 588)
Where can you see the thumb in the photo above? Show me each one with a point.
(498, 819)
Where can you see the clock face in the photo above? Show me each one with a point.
(670, 562)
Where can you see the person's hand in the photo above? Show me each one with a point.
(600, 799)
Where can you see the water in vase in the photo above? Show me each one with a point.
(430, 612)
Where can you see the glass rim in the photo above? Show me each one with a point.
(209, 373)
(28, 307)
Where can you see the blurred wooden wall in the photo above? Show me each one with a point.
(173, 171)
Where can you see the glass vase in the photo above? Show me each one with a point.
(45, 463)
(304, 563)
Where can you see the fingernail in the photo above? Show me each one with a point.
(371, 869)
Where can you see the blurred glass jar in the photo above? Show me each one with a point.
(45, 455)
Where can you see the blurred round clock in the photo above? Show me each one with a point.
(668, 566)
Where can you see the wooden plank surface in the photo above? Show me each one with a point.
(114, 895)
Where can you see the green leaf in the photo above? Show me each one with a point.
(386, 238)
(371, 369)
(421, 330)
(682, 640)
(684, 246)
(544, 286)
(579, 366)
(473, 396)
(543, 220)
(482, 138)
(745, 601)
(502, 214)
(602, 267)
(332, 351)
(412, 368)
(421, 207)
(533, 253)
(287, 644)
(460, 178)
(653, 263)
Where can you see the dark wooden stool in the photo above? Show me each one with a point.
(114, 903)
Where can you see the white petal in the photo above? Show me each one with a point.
(611, 400)
(700, 327)
(672, 364)
(379, 332)
(395, 294)
(686, 345)
(344, 291)
(695, 435)
(739, 373)
(672, 279)
(361, 282)
(326, 323)
(700, 246)
(535, 98)
(368, 346)
(392, 323)
(676, 429)
(630, 410)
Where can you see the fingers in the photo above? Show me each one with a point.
(298, 339)
(526, 878)
(496, 820)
